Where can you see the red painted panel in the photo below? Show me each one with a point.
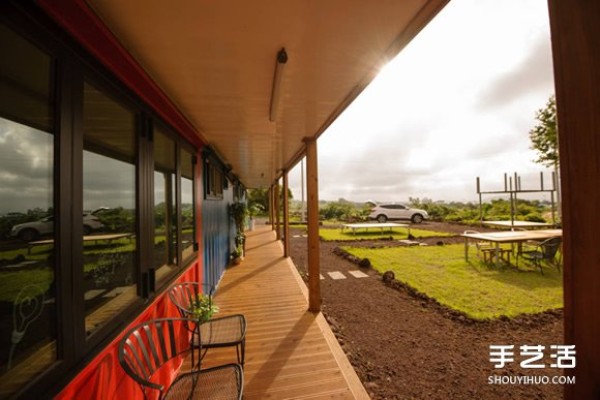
(81, 22)
(103, 378)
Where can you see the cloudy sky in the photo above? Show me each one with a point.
(457, 103)
(26, 173)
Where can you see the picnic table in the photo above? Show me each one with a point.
(517, 224)
(509, 237)
(88, 238)
(375, 225)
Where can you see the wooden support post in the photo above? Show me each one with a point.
(286, 216)
(312, 189)
(276, 209)
(271, 219)
(575, 29)
(303, 211)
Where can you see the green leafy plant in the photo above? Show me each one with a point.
(202, 308)
(255, 209)
(239, 212)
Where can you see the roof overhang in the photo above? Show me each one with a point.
(215, 62)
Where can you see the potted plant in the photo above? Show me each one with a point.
(240, 242)
(237, 255)
(239, 212)
(202, 308)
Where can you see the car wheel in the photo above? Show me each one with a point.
(381, 218)
(87, 230)
(28, 235)
(417, 218)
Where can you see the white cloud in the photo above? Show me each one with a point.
(26, 172)
(457, 103)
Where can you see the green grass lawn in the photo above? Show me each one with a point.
(474, 288)
(37, 281)
(331, 234)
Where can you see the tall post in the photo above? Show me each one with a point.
(312, 189)
(303, 212)
(556, 183)
(553, 205)
(286, 216)
(515, 210)
(575, 29)
(271, 211)
(277, 209)
(480, 202)
(512, 205)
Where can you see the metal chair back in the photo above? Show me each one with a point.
(184, 294)
(550, 248)
(147, 347)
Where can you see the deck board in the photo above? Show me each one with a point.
(290, 352)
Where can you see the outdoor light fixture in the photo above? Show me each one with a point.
(276, 90)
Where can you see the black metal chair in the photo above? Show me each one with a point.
(224, 331)
(543, 251)
(152, 346)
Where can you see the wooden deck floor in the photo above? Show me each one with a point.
(290, 352)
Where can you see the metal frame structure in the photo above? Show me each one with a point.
(513, 190)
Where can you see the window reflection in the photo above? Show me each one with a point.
(27, 289)
(25, 84)
(165, 217)
(187, 204)
(109, 201)
(27, 265)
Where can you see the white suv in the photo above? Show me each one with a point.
(30, 231)
(384, 212)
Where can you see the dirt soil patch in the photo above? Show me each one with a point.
(406, 346)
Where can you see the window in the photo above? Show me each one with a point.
(28, 320)
(165, 216)
(95, 212)
(170, 220)
(109, 203)
(187, 204)
(214, 180)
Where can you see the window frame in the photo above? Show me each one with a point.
(107, 86)
(214, 179)
(157, 124)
